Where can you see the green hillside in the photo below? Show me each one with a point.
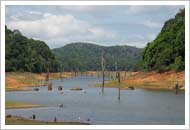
(167, 51)
(28, 55)
(86, 56)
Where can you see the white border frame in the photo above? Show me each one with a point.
(185, 3)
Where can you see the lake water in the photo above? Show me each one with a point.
(141, 107)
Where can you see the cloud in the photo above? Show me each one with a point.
(65, 28)
(140, 40)
(103, 25)
(144, 9)
(152, 24)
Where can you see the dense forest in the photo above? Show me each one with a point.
(87, 56)
(167, 51)
(28, 55)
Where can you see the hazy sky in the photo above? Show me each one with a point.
(103, 25)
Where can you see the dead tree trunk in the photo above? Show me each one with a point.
(49, 87)
(47, 75)
(103, 73)
(75, 73)
(176, 88)
(116, 75)
(119, 85)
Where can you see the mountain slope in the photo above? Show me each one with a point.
(167, 51)
(24, 54)
(87, 56)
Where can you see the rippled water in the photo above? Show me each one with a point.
(91, 105)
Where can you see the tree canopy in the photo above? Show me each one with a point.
(87, 56)
(167, 51)
(26, 54)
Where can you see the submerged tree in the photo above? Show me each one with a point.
(103, 69)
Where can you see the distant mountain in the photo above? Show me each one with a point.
(26, 54)
(87, 56)
(167, 51)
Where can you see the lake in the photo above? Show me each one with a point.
(136, 107)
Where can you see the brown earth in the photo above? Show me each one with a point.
(15, 81)
(161, 80)
(150, 80)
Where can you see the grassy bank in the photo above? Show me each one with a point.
(16, 105)
(15, 120)
(149, 80)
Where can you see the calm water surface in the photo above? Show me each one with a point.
(92, 106)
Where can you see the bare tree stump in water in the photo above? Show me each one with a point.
(176, 88)
(103, 73)
(49, 87)
(118, 75)
(60, 88)
(47, 75)
(33, 117)
(55, 119)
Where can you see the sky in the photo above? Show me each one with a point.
(105, 25)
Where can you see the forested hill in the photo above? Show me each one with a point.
(167, 51)
(29, 55)
(86, 56)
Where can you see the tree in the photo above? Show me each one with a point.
(167, 50)
(24, 54)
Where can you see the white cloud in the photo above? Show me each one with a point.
(65, 28)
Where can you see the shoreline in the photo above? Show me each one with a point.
(143, 80)
(17, 120)
(148, 81)
(20, 105)
(25, 81)
(18, 81)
